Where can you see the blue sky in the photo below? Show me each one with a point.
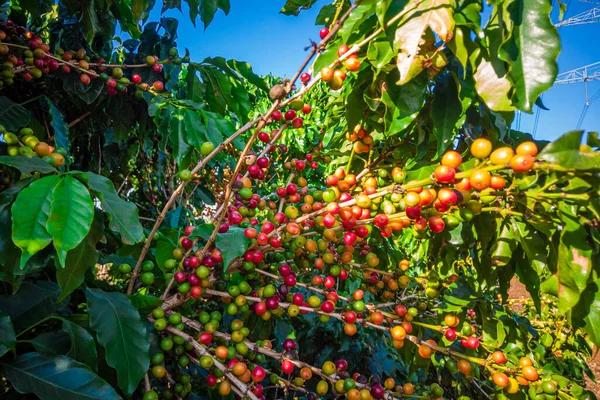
(255, 31)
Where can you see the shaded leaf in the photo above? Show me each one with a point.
(446, 111)
(293, 7)
(28, 165)
(61, 129)
(12, 115)
(8, 338)
(83, 346)
(122, 333)
(56, 377)
(33, 302)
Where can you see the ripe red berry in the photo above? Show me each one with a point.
(287, 367)
(305, 77)
(186, 243)
(136, 79)
(297, 123)
(276, 115)
(290, 115)
(323, 33)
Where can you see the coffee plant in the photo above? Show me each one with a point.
(179, 229)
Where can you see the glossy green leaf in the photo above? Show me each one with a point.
(28, 165)
(122, 333)
(445, 112)
(565, 151)
(436, 15)
(56, 378)
(83, 345)
(232, 244)
(325, 59)
(356, 17)
(8, 338)
(458, 46)
(505, 245)
(12, 115)
(71, 214)
(533, 244)
(380, 53)
(80, 260)
(123, 215)
(145, 303)
(196, 130)
(202, 231)
(177, 135)
(33, 302)
(30, 214)
(531, 50)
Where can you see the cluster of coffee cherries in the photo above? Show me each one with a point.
(25, 143)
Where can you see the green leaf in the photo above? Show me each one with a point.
(565, 152)
(52, 343)
(145, 303)
(380, 53)
(83, 346)
(28, 165)
(123, 215)
(71, 215)
(245, 69)
(587, 313)
(531, 50)
(90, 24)
(533, 244)
(56, 377)
(30, 214)
(293, 7)
(403, 102)
(61, 129)
(436, 15)
(12, 115)
(356, 17)
(491, 80)
(177, 135)
(445, 112)
(326, 58)
(202, 231)
(195, 128)
(80, 260)
(122, 333)
(208, 8)
(138, 7)
(32, 303)
(232, 244)
(458, 46)
(505, 245)
(574, 259)
(8, 339)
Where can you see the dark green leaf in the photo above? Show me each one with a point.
(90, 24)
(122, 333)
(56, 377)
(80, 260)
(587, 312)
(533, 244)
(52, 343)
(505, 245)
(446, 111)
(232, 244)
(202, 231)
(12, 115)
(71, 215)
(531, 50)
(245, 69)
(83, 346)
(7, 335)
(30, 214)
(565, 152)
(32, 303)
(145, 303)
(123, 215)
(196, 130)
(138, 7)
(293, 7)
(28, 165)
(61, 129)
(208, 8)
